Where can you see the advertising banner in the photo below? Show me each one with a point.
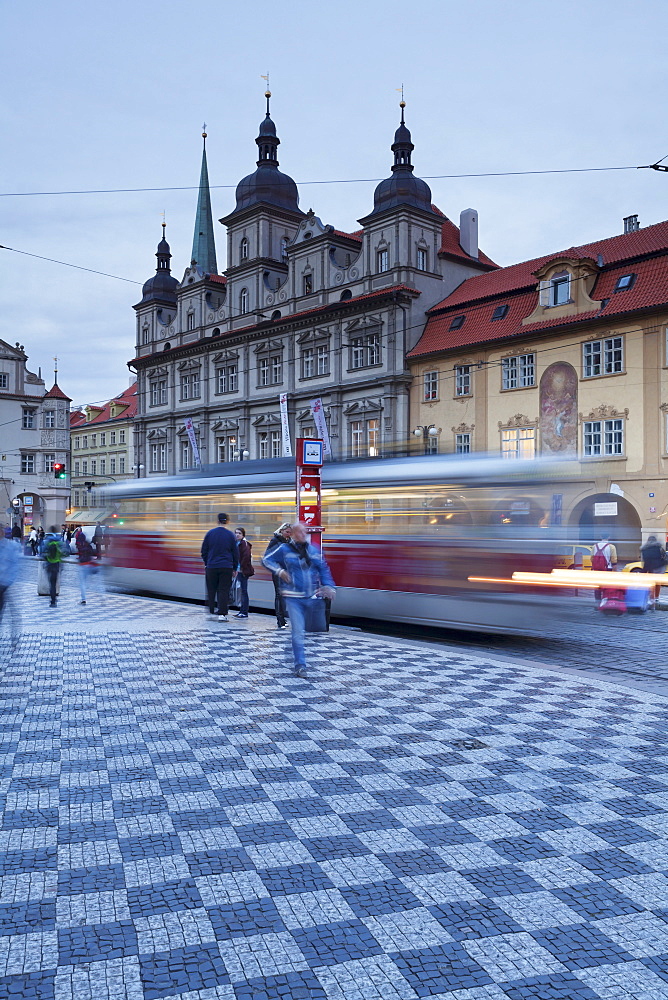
(320, 424)
(188, 424)
(285, 426)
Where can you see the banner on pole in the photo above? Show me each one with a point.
(318, 415)
(188, 424)
(285, 426)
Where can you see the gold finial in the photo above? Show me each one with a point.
(267, 93)
(204, 130)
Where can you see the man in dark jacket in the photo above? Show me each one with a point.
(653, 557)
(219, 555)
(280, 536)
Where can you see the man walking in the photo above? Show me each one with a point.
(219, 555)
(304, 577)
(245, 569)
(52, 549)
(279, 537)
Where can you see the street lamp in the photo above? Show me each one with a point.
(427, 433)
(241, 453)
(137, 469)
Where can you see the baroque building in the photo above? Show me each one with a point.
(34, 436)
(302, 308)
(564, 356)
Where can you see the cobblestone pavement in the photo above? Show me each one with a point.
(184, 819)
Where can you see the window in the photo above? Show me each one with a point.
(430, 386)
(263, 443)
(322, 359)
(243, 301)
(49, 418)
(112, 466)
(307, 284)
(518, 442)
(190, 386)
(225, 447)
(158, 457)
(93, 440)
(308, 432)
(28, 418)
(112, 437)
(603, 357)
(121, 464)
(84, 498)
(144, 335)
(27, 464)
(93, 467)
(227, 378)
(243, 255)
(76, 498)
(190, 321)
(462, 444)
(49, 462)
(85, 441)
(84, 467)
(77, 442)
(462, 380)
(365, 351)
(76, 468)
(383, 261)
(500, 312)
(457, 323)
(121, 437)
(4, 380)
(603, 437)
(271, 370)
(625, 281)
(284, 248)
(185, 454)
(365, 438)
(103, 440)
(518, 372)
(103, 466)
(421, 259)
(275, 444)
(308, 362)
(158, 389)
(560, 289)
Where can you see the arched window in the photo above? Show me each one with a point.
(346, 294)
(243, 249)
(243, 300)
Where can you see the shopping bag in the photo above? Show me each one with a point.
(235, 594)
(315, 618)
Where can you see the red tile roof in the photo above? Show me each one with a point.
(128, 397)
(76, 418)
(451, 247)
(220, 278)
(516, 286)
(55, 392)
(350, 236)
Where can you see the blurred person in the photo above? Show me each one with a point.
(16, 533)
(654, 560)
(279, 537)
(106, 538)
(63, 532)
(303, 576)
(40, 534)
(219, 555)
(604, 555)
(245, 569)
(53, 551)
(87, 564)
(33, 540)
(98, 535)
(9, 567)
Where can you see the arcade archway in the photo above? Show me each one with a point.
(612, 514)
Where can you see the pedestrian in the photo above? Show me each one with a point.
(604, 556)
(40, 534)
(63, 532)
(33, 540)
(9, 567)
(16, 533)
(304, 578)
(244, 569)
(68, 536)
(53, 551)
(279, 537)
(98, 534)
(219, 555)
(106, 538)
(87, 564)
(654, 560)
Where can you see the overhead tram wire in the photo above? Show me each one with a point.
(344, 180)
(52, 260)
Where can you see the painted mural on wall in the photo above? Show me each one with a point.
(559, 410)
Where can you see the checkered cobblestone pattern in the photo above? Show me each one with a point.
(182, 818)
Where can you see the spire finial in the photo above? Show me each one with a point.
(267, 92)
(402, 103)
(204, 133)
(55, 370)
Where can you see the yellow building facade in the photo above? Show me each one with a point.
(565, 357)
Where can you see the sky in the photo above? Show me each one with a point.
(114, 96)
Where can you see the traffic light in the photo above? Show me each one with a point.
(59, 470)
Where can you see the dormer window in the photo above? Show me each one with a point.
(625, 281)
(457, 323)
(500, 312)
(243, 249)
(560, 289)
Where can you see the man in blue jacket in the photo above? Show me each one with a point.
(304, 576)
(219, 555)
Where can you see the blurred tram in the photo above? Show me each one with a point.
(402, 536)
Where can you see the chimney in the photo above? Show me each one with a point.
(631, 224)
(468, 232)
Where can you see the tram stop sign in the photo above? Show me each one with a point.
(309, 458)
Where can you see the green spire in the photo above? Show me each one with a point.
(204, 247)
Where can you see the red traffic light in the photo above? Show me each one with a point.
(59, 470)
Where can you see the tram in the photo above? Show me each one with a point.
(403, 536)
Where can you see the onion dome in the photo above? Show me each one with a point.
(267, 185)
(402, 188)
(162, 286)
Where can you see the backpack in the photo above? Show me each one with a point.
(52, 551)
(599, 561)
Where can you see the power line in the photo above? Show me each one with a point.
(65, 263)
(345, 180)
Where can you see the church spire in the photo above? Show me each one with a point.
(204, 247)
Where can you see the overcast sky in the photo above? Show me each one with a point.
(114, 96)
